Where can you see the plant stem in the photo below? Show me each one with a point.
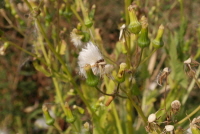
(18, 47)
(138, 109)
(77, 15)
(148, 56)
(188, 116)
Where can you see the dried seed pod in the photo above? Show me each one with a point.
(175, 105)
(169, 128)
(152, 118)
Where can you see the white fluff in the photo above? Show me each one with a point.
(76, 39)
(89, 55)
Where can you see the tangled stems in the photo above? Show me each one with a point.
(116, 92)
(64, 68)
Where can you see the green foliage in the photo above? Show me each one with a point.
(115, 98)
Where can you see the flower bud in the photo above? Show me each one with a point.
(143, 39)
(87, 21)
(85, 37)
(158, 42)
(175, 105)
(69, 117)
(80, 109)
(49, 120)
(120, 75)
(92, 12)
(134, 26)
(79, 26)
(91, 80)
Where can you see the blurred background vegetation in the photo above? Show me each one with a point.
(23, 90)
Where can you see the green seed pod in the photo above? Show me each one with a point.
(92, 12)
(120, 75)
(134, 26)
(49, 120)
(85, 37)
(88, 23)
(79, 109)
(91, 80)
(79, 26)
(158, 42)
(143, 39)
(69, 118)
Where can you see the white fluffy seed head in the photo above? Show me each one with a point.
(76, 39)
(152, 118)
(176, 105)
(169, 128)
(108, 68)
(89, 55)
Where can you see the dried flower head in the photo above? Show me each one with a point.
(189, 67)
(169, 128)
(195, 122)
(162, 76)
(152, 118)
(92, 56)
(175, 105)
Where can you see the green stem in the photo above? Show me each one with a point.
(18, 47)
(58, 94)
(77, 15)
(127, 3)
(119, 127)
(138, 109)
(148, 56)
(188, 116)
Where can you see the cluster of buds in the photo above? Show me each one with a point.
(141, 28)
